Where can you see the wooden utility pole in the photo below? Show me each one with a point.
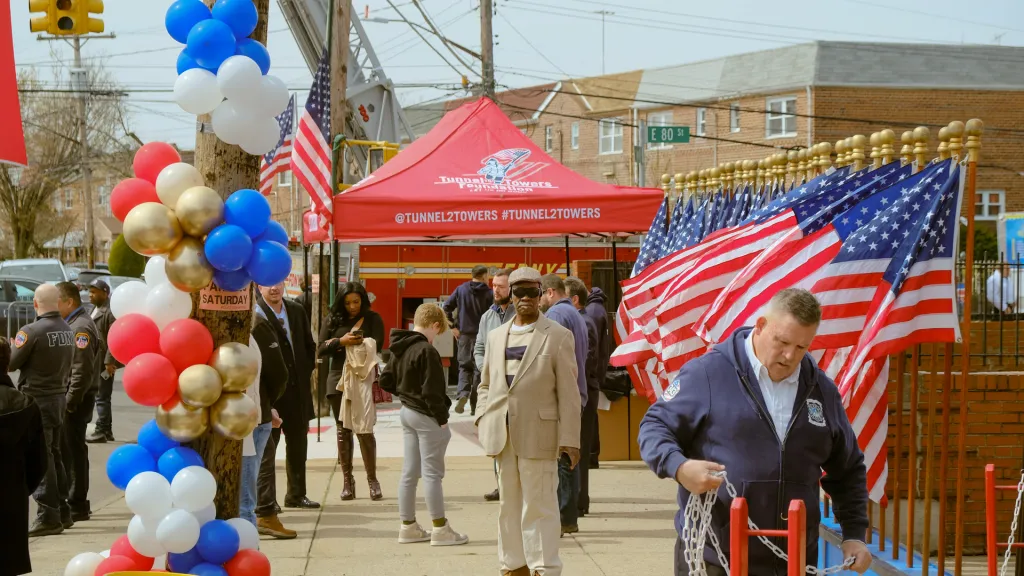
(226, 168)
(487, 47)
(341, 24)
(83, 139)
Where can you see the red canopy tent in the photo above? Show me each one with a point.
(12, 145)
(476, 174)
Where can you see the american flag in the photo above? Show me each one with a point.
(280, 158)
(311, 154)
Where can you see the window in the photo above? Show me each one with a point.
(659, 119)
(989, 204)
(58, 201)
(549, 138)
(734, 117)
(69, 199)
(610, 136)
(104, 200)
(284, 178)
(780, 120)
(574, 138)
(702, 121)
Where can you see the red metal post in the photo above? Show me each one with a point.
(797, 538)
(990, 518)
(738, 537)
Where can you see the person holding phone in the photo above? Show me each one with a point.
(350, 323)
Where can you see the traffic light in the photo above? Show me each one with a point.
(66, 17)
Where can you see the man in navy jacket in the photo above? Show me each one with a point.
(471, 299)
(758, 407)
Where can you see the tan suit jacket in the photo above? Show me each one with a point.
(542, 406)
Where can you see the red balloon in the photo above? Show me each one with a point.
(186, 343)
(152, 158)
(248, 563)
(131, 335)
(115, 564)
(130, 193)
(124, 548)
(174, 401)
(150, 379)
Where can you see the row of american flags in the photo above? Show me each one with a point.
(303, 147)
(876, 246)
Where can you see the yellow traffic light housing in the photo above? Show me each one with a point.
(66, 17)
(85, 23)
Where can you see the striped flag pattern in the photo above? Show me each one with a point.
(279, 159)
(311, 153)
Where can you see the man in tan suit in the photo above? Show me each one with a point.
(529, 417)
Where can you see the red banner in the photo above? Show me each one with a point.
(314, 228)
(12, 145)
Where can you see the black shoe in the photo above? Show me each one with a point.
(570, 529)
(40, 528)
(81, 516)
(100, 438)
(303, 502)
(492, 496)
(582, 512)
(460, 406)
(66, 519)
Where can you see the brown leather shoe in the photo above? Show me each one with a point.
(271, 526)
(348, 491)
(368, 450)
(524, 571)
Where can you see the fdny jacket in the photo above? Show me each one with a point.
(43, 351)
(86, 359)
(714, 411)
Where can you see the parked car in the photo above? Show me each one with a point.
(48, 270)
(16, 308)
(85, 277)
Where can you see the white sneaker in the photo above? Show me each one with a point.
(445, 536)
(412, 533)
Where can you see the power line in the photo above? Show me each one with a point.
(530, 44)
(931, 15)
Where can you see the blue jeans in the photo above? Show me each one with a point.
(250, 470)
(568, 491)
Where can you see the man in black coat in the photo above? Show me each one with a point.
(24, 456)
(295, 406)
(99, 295)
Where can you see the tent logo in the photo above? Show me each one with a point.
(504, 171)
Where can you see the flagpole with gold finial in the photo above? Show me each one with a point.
(947, 391)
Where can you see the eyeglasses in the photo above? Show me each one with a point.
(526, 292)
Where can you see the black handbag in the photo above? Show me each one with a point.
(617, 383)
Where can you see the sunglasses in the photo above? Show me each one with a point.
(526, 292)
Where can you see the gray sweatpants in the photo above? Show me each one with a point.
(425, 444)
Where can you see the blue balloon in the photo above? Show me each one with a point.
(154, 441)
(249, 210)
(182, 563)
(240, 15)
(231, 281)
(127, 461)
(275, 232)
(228, 248)
(218, 541)
(206, 569)
(185, 62)
(210, 43)
(270, 263)
(183, 15)
(258, 52)
(175, 459)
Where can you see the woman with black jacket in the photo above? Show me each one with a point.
(350, 321)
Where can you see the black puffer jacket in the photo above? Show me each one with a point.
(415, 375)
(23, 453)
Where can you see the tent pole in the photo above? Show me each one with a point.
(615, 276)
(568, 266)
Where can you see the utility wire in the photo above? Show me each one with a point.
(444, 40)
(530, 44)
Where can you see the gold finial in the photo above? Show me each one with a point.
(876, 150)
(716, 174)
(702, 180)
(760, 172)
(888, 137)
(858, 143)
(840, 152)
(680, 184)
(956, 138)
(728, 171)
(665, 179)
(907, 151)
(801, 161)
(944, 143)
(974, 129)
(825, 159)
(780, 166)
(921, 135)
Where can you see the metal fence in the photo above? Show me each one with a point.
(16, 315)
(996, 305)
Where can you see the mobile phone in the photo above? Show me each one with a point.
(358, 333)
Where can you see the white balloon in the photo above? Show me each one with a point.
(193, 488)
(206, 514)
(174, 180)
(197, 91)
(85, 564)
(165, 304)
(228, 123)
(264, 135)
(274, 96)
(160, 562)
(239, 78)
(143, 537)
(148, 495)
(105, 553)
(129, 298)
(248, 536)
(178, 532)
(155, 273)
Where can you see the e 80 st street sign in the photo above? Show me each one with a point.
(668, 134)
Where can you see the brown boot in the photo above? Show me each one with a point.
(271, 526)
(348, 491)
(524, 571)
(368, 449)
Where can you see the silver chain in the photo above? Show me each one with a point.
(1013, 526)
(697, 528)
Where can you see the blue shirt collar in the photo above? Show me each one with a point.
(74, 313)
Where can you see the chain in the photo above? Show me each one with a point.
(1013, 526)
(697, 529)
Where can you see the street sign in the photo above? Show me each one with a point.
(668, 134)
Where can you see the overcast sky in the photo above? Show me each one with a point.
(536, 40)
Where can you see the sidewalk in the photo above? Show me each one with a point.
(629, 530)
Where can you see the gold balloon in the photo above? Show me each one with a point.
(151, 229)
(199, 210)
(186, 266)
(199, 386)
(181, 423)
(234, 415)
(237, 365)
